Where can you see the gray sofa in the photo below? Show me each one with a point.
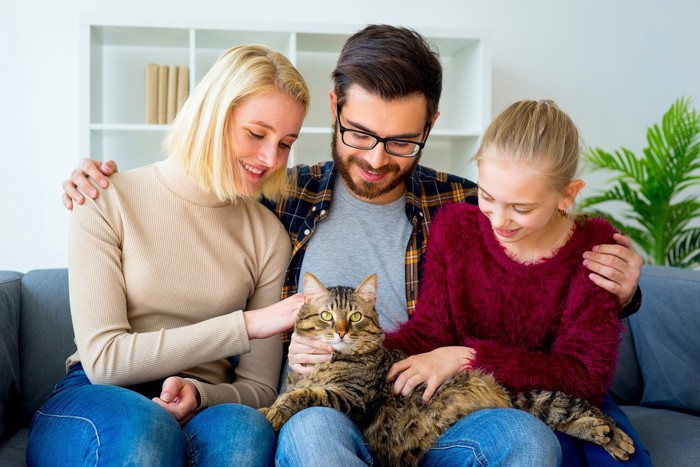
(657, 381)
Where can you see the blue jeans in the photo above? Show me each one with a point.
(323, 436)
(86, 424)
(578, 453)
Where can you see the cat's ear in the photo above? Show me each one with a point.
(312, 287)
(368, 289)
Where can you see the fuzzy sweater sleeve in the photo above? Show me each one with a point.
(581, 359)
(431, 324)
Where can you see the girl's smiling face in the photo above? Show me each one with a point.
(521, 205)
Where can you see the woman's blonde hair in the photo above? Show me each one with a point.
(538, 135)
(199, 137)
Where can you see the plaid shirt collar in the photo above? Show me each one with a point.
(310, 200)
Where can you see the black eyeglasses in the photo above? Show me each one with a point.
(359, 139)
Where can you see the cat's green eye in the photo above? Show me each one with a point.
(355, 317)
(326, 316)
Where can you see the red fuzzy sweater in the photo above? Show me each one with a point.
(533, 326)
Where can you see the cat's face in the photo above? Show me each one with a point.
(340, 316)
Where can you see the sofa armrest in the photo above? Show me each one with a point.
(10, 292)
(46, 336)
(665, 334)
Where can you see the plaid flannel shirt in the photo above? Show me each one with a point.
(310, 200)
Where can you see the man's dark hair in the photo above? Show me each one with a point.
(390, 62)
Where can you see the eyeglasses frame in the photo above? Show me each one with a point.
(379, 139)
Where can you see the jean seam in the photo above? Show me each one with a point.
(478, 455)
(94, 429)
(191, 451)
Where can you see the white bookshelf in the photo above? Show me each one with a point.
(114, 56)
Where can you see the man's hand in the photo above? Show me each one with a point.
(180, 398)
(432, 368)
(616, 268)
(304, 353)
(78, 181)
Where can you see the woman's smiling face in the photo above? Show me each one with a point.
(261, 132)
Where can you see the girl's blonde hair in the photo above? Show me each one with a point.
(538, 135)
(199, 137)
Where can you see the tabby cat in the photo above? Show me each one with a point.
(400, 430)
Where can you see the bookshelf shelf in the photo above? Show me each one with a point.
(114, 57)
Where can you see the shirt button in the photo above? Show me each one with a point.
(313, 208)
(420, 213)
(307, 232)
(323, 212)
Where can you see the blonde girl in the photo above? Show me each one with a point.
(504, 289)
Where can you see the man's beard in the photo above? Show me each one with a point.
(364, 189)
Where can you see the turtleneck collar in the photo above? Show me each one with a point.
(184, 186)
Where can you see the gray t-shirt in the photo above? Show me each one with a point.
(357, 239)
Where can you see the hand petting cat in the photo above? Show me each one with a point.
(432, 368)
(273, 319)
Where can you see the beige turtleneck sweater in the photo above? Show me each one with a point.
(160, 272)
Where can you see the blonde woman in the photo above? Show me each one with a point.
(174, 270)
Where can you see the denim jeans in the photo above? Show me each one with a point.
(86, 424)
(493, 437)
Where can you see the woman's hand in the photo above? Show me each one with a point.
(78, 180)
(616, 268)
(305, 353)
(432, 368)
(179, 397)
(273, 319)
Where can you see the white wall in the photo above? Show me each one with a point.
(615, 66)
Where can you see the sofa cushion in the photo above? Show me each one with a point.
(46, 336)
(671, 437)
(9, 357)
(628, 384)
(13, 450)
(666, 331)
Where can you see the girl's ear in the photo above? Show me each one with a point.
(571, 192)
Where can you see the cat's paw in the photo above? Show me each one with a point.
(600, 431)
(621, 446)
(276, 418)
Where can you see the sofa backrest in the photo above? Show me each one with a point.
(46, 336)
(664, 344)
(10, 286)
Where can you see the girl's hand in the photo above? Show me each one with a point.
(179, 397)
(305, 353)
(432, 368)
(273, 319)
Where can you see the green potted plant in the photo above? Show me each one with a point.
(657, 189)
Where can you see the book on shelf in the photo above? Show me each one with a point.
(151, 93)
(163, 94)
(171, 100)
(166, 89)
(183, 86)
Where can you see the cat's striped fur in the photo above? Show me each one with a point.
(400, 429)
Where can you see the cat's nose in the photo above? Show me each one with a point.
(341, 328)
